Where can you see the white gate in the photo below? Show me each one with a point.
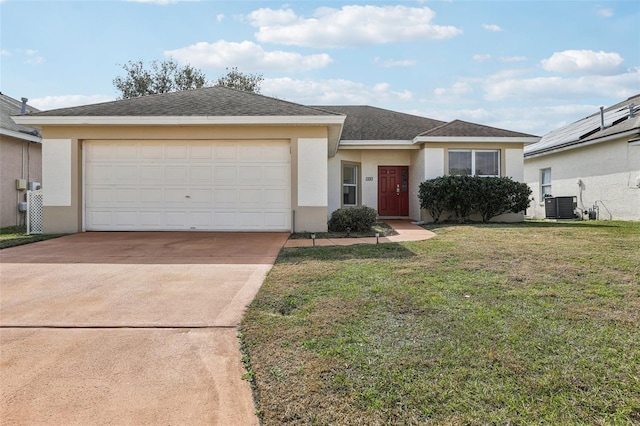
(34, 212)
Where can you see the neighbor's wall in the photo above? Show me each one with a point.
(607, 173)
(310, 215)
(19, 159)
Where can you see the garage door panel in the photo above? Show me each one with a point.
(226, 152)
(275, 220)
(225, 173)
(125, 195)
(149, 174)
(181, 185)
(174, 174)
(201, 152)
(176, 152)
(150, 152)
(275, 175)
(200, 196)
(151, 196)
(126, 218)
(200, 174)
(100, 174)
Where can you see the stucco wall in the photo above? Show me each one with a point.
(19, 159)
(607, 173)
(369, 161)
(69, 218)
(426, 163)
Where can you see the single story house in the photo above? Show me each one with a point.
(593, 163)
(20, 160)
(219, 159)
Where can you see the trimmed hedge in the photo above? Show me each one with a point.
(358, 219)
(463, 195)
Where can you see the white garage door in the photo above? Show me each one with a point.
(187, 185)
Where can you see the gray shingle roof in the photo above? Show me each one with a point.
(9, 107)
(617, 120)
(459, 128)
(371, 123)
(209, 101)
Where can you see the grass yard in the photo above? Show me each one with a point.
(533, 324)
(17, 236)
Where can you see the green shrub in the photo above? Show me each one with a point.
(463, 195)
(358, 219)
(495, 196)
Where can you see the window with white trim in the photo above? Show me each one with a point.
(545, 183)
(474, 162)
(350, 184)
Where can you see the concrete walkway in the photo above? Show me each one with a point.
(406, 230)
(110, 328)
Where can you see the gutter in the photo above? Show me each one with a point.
(21, 135)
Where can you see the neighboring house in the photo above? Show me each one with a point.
(225, 160)
(20, 160)
(596, 160)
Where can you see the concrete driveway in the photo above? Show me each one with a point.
(129, 328)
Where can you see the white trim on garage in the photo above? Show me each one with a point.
(207, 185)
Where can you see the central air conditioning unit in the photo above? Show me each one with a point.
(560, 207)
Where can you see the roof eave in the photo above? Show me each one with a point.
(162, 120)
(477, 139)
(371, 144)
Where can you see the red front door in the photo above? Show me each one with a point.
(393, 191)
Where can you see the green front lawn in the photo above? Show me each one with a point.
(537, 323)
(17, 235)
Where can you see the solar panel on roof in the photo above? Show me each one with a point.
(581, 129)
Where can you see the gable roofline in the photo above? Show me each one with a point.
(459, 129)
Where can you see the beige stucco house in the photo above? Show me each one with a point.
(593, 163)
(218, 159)
(20, 160)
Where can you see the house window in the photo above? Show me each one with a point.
(474, 162)
(350, 189)
(545, 183)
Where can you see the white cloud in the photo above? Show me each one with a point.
(4, 52)
(349, 26)
(559, 88)
(583, 61)
(220, 17)
(605, 12)
(492, 27)
(390, 63)
(513, 58)
(54, 102)
(332, 92)
(481, 58)
(247, 56)
(32, 57)
(457, 89)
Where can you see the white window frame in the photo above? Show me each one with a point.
(356, 185)
(473, 160)
(545, 188)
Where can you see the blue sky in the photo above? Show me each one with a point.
(529, 66)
